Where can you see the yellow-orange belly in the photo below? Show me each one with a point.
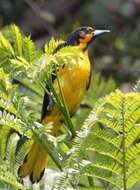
(73, 81)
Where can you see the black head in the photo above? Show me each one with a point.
(83, 36)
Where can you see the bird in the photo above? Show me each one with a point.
(74, 83)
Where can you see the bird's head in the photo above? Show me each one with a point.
(83, 36)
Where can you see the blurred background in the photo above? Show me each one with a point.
(116, 54)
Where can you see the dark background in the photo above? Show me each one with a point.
(117, 54)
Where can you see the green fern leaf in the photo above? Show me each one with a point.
(17, 40)
(52, 45)
(106, 148)
(29, 49)
(6, 46)
(8, 178)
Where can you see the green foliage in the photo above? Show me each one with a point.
(99, 87)
(49, 62)
(8, 180)
(106, 149)
(22, 86)
(12, 127)
(105, 152)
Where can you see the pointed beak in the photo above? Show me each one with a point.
(97, 33)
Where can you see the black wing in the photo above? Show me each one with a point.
(46, 105)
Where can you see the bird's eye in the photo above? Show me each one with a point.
(90, 30)
(82, 34)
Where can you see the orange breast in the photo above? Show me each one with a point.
(74, 81)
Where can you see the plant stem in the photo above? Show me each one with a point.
(62, 104)
(90, 178)
(30, 86)
(90, 181)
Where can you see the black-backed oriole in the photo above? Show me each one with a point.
(74, 82)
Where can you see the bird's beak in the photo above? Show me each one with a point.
(97, 33)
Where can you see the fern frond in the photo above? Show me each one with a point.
(23, 145)
(51, 46)
(29, 49)
(48, 64)
(17, 53)
(6, 46)
(99, 88)
(106, 148)
(133, 177)
(20, 64)
(133, 153)
(133, 135)
(10, 123)
(8, 178)
(5, 84)
(11, 150)
(17, 40)
(68, 180)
